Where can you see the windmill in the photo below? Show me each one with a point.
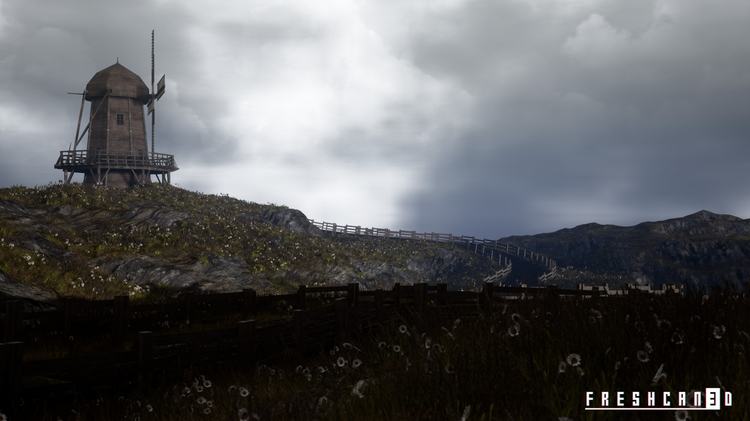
(117, 152)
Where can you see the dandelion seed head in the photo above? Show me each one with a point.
(201, 400)
(642, 356)
(573, 360)
(719, 331)
(244, 392)
(341, 361)
(514, 330)
(243, 414)
(356, 363)
(396, 349)
(403, 329)
(681, 415)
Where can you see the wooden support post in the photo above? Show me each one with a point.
(13, 320)
(352, 294)
(300, 304)
(249, 300)
(11, 360)
(248, 344)
(120, 310)
(442, 293)
(145, 354)
(420, 296)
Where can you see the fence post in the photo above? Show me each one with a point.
(487, 293)
(298, 326)
(189, 300)
(247, 341)
(342, 318)
(120, 310)
(145, 353)
(379, 311)
(301, 291)
(397, 293)
(67, 316)
(442, 293)
(249, 298)
(420, 292)
(11, 360)
(13, 320)
(352, 294)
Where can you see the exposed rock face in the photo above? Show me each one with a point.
(10, 289)
(290, 219)
(701, 249)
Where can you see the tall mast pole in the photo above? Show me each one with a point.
(153, 99)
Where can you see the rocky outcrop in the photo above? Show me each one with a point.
(11, 289)
(290, 219)
(701, 249)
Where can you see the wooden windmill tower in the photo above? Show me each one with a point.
(117, 152)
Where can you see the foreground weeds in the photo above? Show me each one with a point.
(523, 360)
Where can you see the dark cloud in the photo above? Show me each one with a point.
(479, 117)
(607, 115)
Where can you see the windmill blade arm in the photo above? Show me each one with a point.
(82, 135)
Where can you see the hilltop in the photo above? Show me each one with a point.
(71, 240)
(700, 249)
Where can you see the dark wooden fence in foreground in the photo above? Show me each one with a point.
(144, 340)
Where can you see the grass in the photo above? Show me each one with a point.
(525, 360)
(68, 233)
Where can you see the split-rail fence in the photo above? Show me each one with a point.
(493, 249)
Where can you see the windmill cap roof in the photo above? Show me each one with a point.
(119, 81)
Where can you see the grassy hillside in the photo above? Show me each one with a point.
(100, 242)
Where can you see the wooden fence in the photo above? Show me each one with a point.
(146, 347)
(490, 248)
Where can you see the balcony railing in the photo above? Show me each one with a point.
(81, 160)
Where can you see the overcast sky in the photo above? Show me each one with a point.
(478, 117)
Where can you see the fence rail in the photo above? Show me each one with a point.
(492, 248)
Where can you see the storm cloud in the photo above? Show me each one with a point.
(468, 116)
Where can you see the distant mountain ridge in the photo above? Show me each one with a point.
(702, 249)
